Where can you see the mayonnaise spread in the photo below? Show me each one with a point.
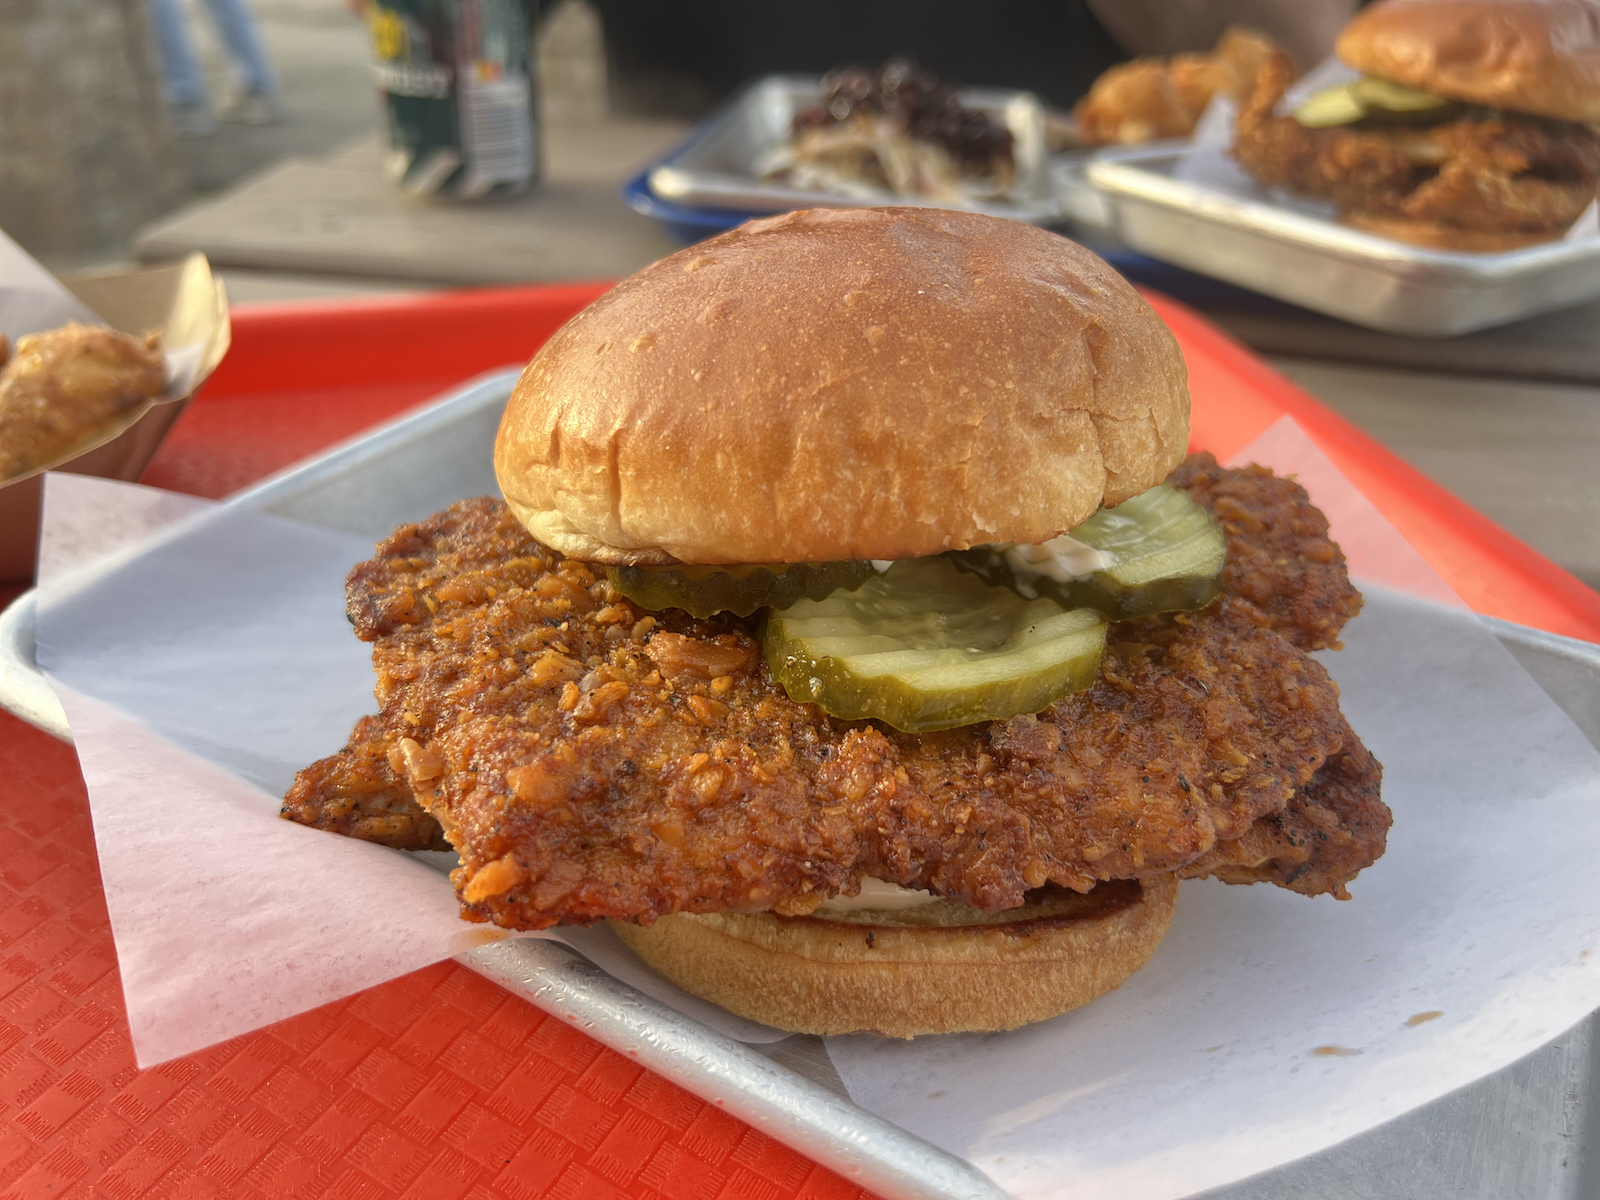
(1063, 559)
(877, 896)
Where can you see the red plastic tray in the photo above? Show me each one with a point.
(440, 1085)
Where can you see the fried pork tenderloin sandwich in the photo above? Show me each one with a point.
(855, 637)
(1472, 126)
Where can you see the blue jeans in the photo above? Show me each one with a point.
(185, 82)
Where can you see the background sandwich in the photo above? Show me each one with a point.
(1470, 129)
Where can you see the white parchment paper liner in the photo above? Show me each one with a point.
(1269, 1026)
(202, 656)
(33, 300)
(201, 669)
(182, 302)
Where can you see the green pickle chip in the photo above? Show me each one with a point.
(1336, 106)
(1395, 97)
(703, 591)
(1165, 555)
(1367, 97)
(927, 646)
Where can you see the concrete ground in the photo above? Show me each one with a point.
(320, 49)
(296, 175)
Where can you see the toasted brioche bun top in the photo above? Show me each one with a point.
(1531, 56)
(835, 384)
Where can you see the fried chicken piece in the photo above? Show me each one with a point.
(591, 760)
(63, 384)
(1135, 102)
(1150, 98)
(1240, 53)
(1281, 566)
(1507, 174)
(1334, 828)
(360, 793)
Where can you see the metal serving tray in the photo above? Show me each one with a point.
(1531, 1130)
(717, 166)
(1300, 255)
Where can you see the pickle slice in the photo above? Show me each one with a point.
(1363, 98)
(1394, 97)
(1165, 555)
(1336, 106)
(702, 591)
(926, 646)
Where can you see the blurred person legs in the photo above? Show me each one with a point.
(257, 102)
(185, 83)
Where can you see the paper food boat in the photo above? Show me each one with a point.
(183, 300)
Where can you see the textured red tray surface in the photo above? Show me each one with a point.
(440, 1084)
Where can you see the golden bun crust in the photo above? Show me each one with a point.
(1438, 236)
(877, 973)
(1531, 56)
(835, 384)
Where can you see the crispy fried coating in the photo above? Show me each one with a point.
(63, 384)
(592, 760)
(359, 793)
(1478, 173)
(1282, 566)
(1156, 97)
(1335, 827)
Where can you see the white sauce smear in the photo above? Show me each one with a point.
(1063, 559)
(879, 897)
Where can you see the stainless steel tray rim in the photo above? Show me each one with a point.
(669, 183)
(1120, 173)
(1311, 261)
(1036, 200)
(859, 1145)
(872, 1152)
(24, 691)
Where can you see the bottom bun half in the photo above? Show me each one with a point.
(940, 968)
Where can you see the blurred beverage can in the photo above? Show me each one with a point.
(457, 80)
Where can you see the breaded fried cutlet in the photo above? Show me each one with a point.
(588, 759)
